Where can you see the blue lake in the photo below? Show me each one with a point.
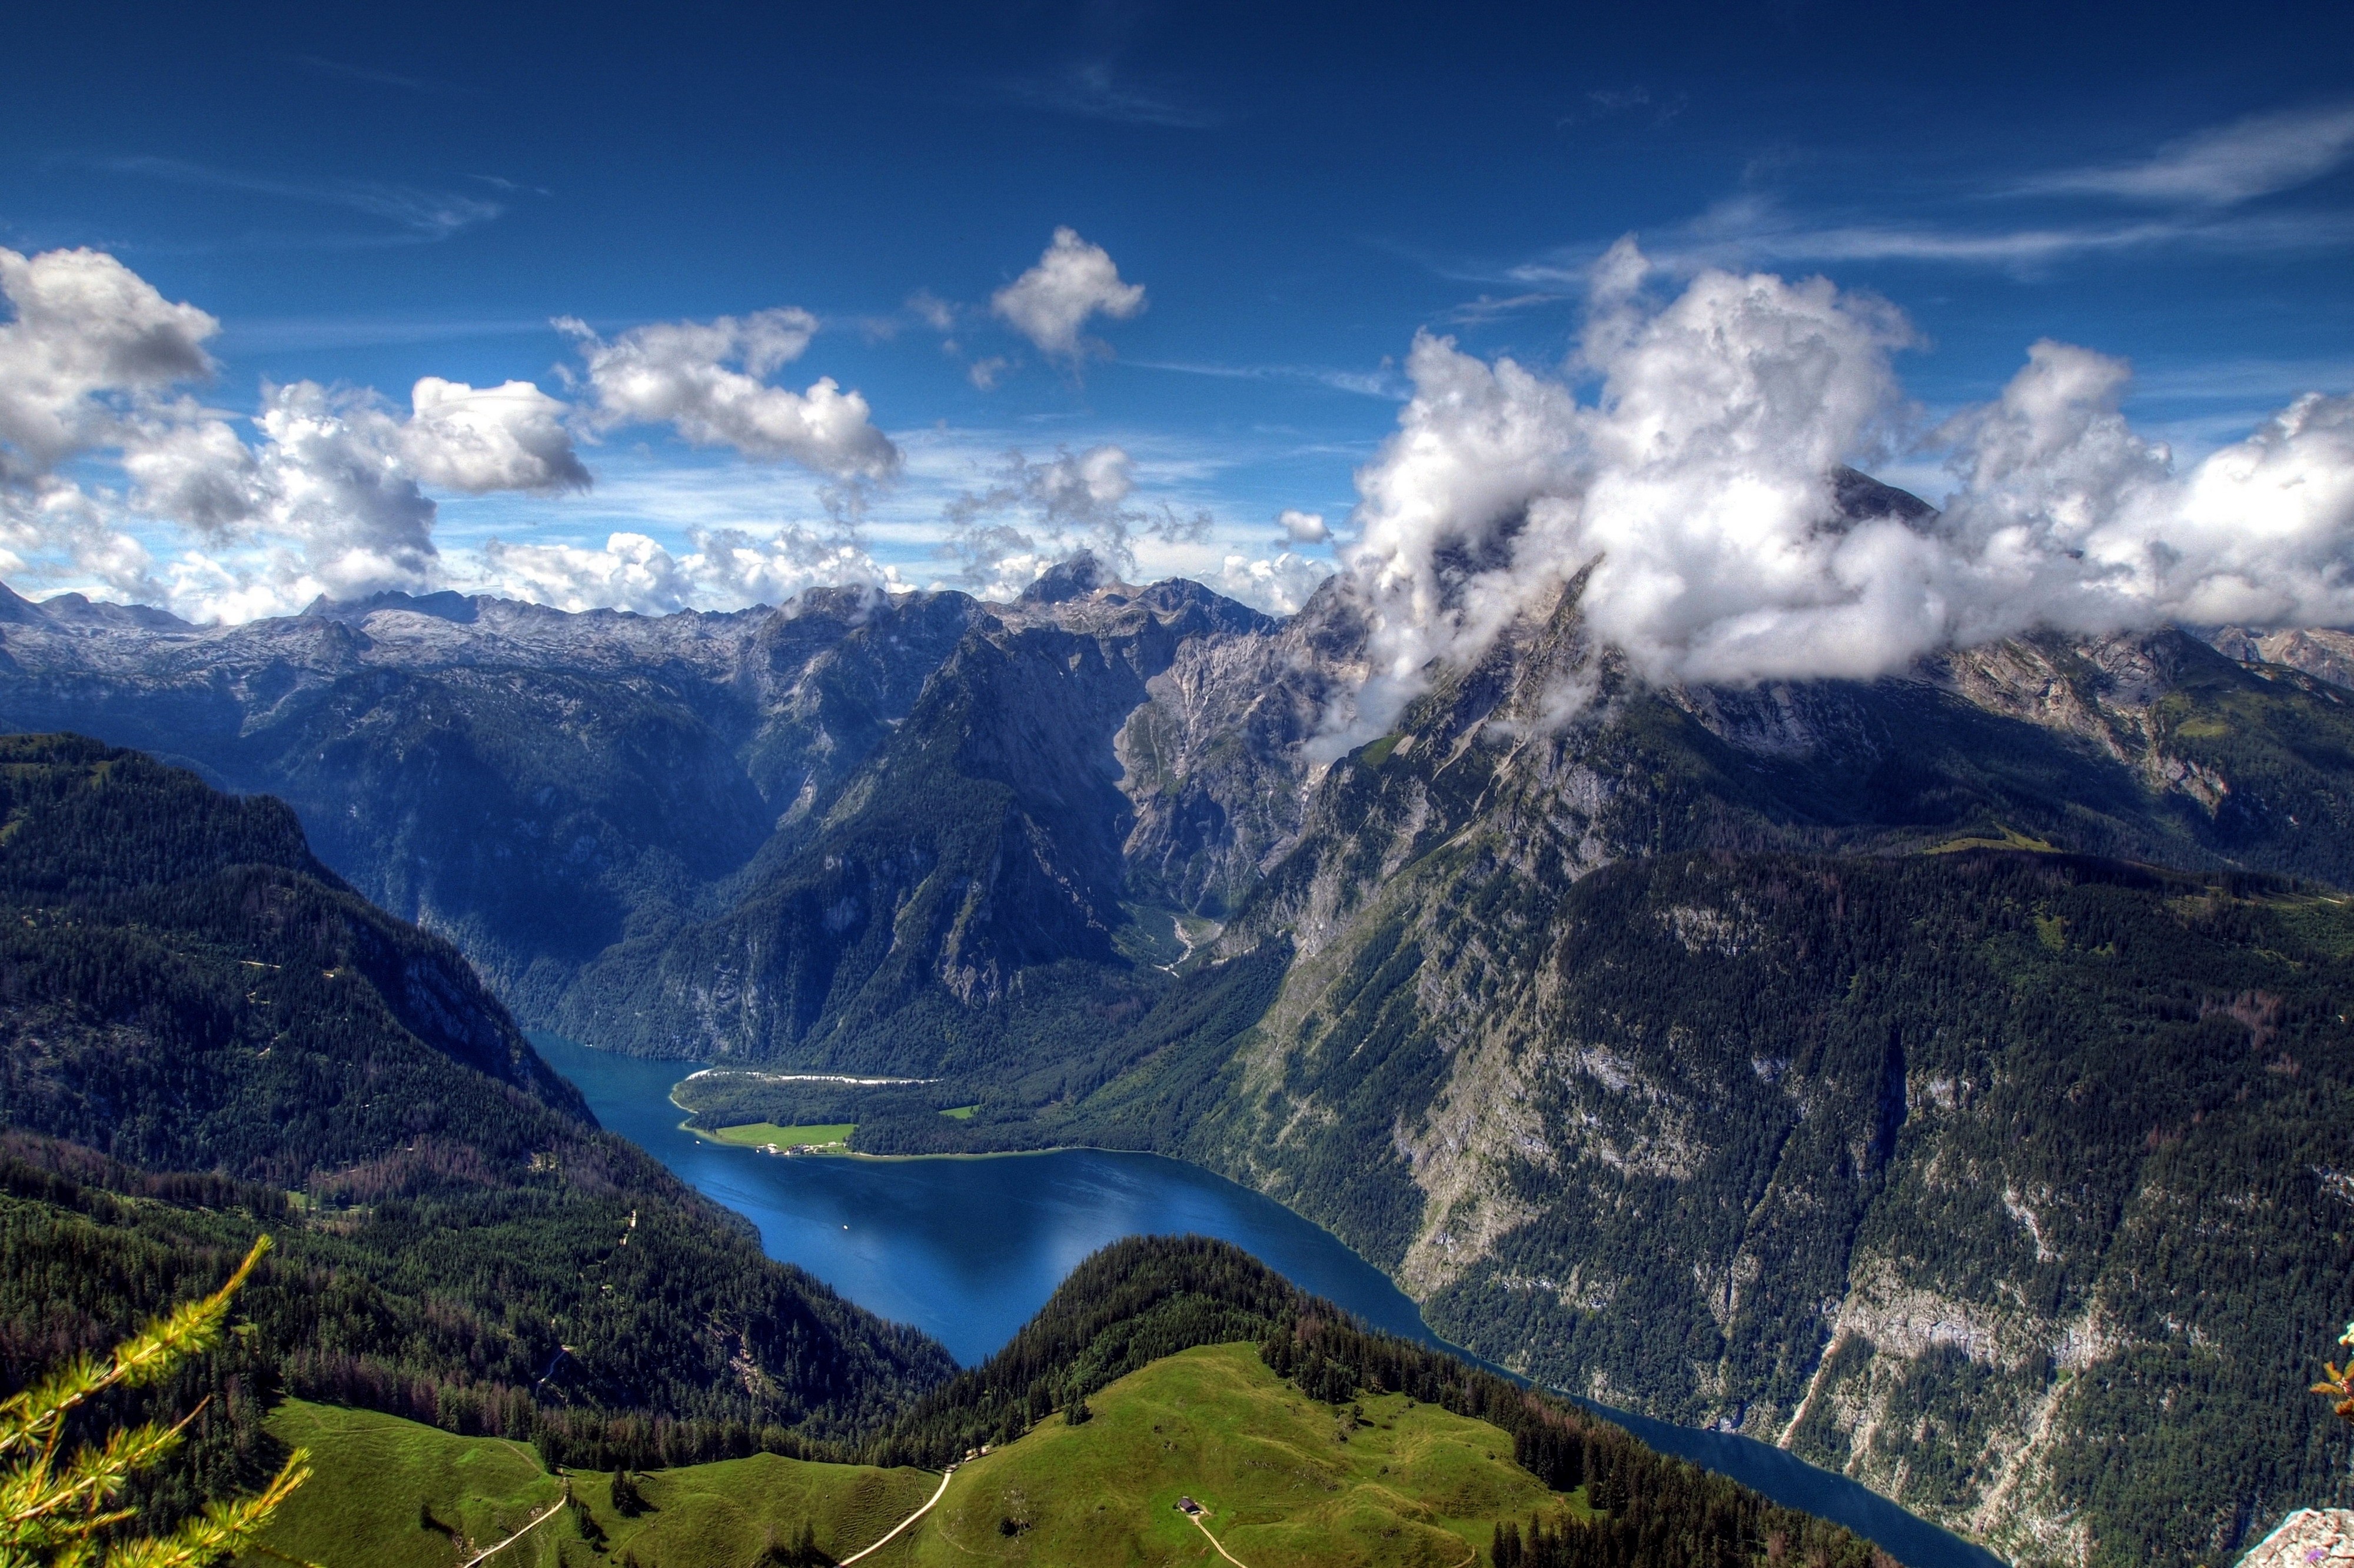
(968, 1249)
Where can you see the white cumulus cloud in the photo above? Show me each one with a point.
(326, 496)
(335, 485)
(508, 437)
(1053, 301)
(90, 337)
(726, 570)
(331, 498)
(707, 381)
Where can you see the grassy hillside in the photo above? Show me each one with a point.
(391, 1493)
(1140, 1302)
(397, 1494)
(1287, 1481)
(1162, 1368)
(1384, 1482)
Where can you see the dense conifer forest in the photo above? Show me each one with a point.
(206, 1035)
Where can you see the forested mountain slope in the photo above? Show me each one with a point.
(594, 806)
(1952, 1170)
(204, 1033)
(2013, 1184)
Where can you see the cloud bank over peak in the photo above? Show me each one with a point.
(1699, 487)
(727, 568)
(1032, 514)
(1073, 283)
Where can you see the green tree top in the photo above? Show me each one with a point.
(54, 1507)
(2339, 1383)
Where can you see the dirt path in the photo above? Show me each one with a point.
(1212, 1540)
(553, 1509)
(905, 1522)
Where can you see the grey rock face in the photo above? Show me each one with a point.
(2306, 1538)
(980, 840)
(2323, 652)
(1214, 760)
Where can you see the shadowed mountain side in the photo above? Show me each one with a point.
(895, 831)
(193, 1010)
(970, 872)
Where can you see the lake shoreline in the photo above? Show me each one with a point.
(968, 1260)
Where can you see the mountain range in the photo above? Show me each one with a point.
(1944, 1075)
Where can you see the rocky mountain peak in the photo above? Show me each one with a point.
(1077, 578)
(1860, 498)
(446, 605)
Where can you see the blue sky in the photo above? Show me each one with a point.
(366, 197)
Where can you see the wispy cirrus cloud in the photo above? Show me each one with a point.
(2279, 380)
(415, 212)
(1384, 383)
(1610, 102)
(2199, 184)
(2029, 246)
(1754, 231)
(2222, 166)
(281, 333)
(1095, 89)
(1490, 307)
(347, 72)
